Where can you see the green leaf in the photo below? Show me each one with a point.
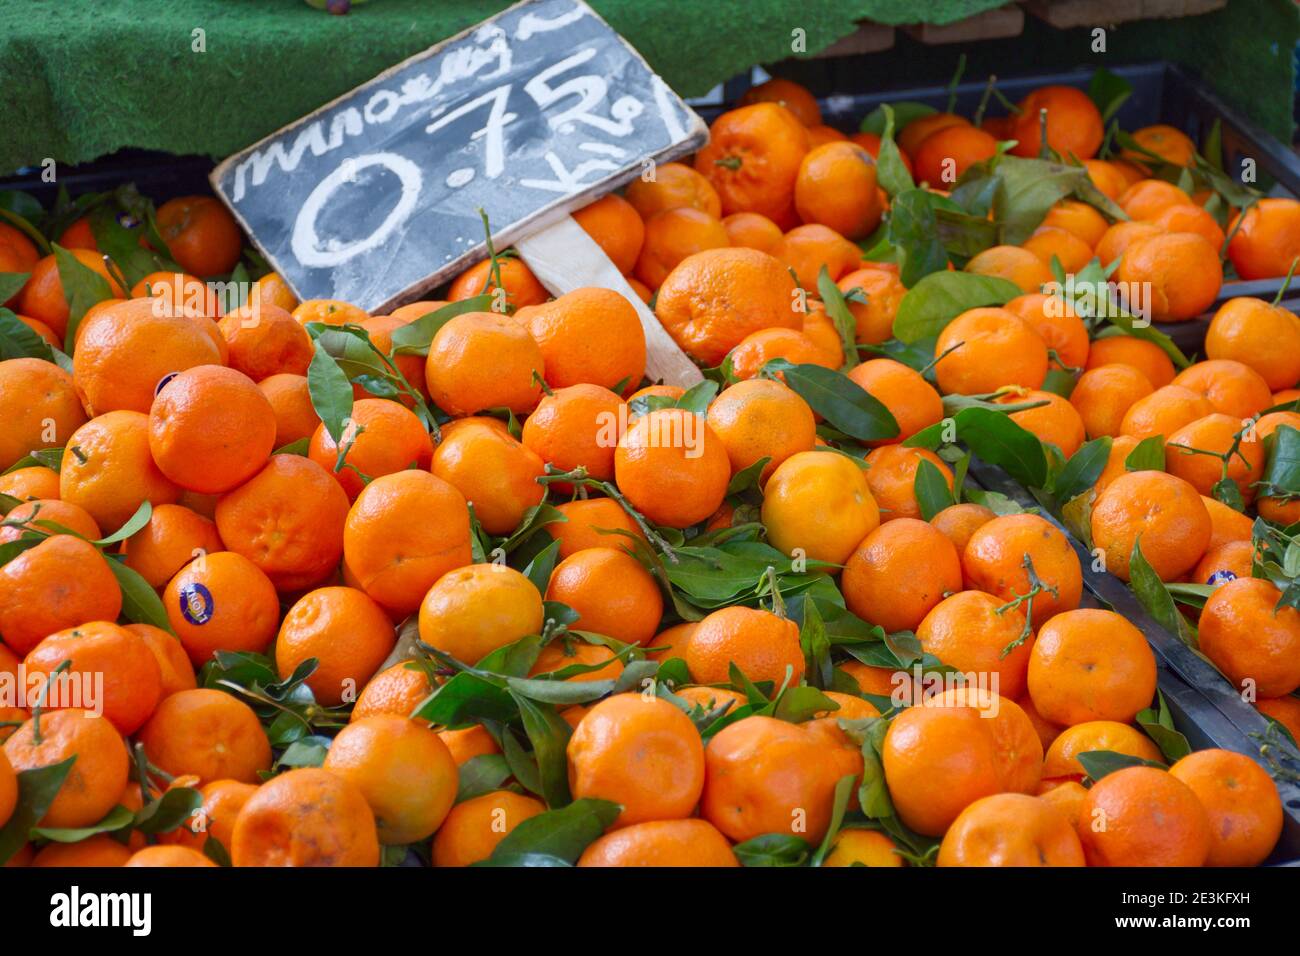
(416, 337)
(843, 790)
(914, 234)
(1099, 763)
(563, 833)
(18, 340)
(331, 392)
(1108, 91)
(1154, 596)
(36, 791)
(1083, 469)
(1158, 723)
(132, 525)
(11, 284)
(117, 818)
(838, 310)
(696, 399)
(996, 439)
(482, 774)
(891, 172)
(931, 489)
(939, 298)
(549, 734)
(1147, 455)
(844, 404)
(902, 112)
(540, 567)
(466, 697)
(82, 287)
(1027, 190)
(773, 849)
(172, 809)
(140, 602)
(1282, 472)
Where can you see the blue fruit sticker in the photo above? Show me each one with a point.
(196, 603)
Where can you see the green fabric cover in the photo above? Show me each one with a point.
(83, 78)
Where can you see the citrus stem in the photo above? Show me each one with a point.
(778, 602)
(1286, 283)
(984, 100)
(39, 709)
(730, 162)
(1036, 587)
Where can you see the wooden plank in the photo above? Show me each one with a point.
(1068, 14)
(999, 23)
(375, 198)
(868, 38)
(564, 258)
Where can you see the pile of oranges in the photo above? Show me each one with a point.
(458, 581)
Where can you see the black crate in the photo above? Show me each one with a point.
(1204, 706)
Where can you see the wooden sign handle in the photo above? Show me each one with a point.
(564, 258)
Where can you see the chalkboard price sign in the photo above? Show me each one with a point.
(374, 198)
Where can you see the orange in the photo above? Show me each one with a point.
(173, 538)
(1141, 816)
(1057, 324)
(1231, 387)
(399, 690)
(959, 522)
(1074, 127)
(1241, 801)
(1053, 242)
(857, 847)
(221, 602)
(306, 817)
(753, 231)
(1262, 247)
(472, 611)
(836, 187)
(1168, 142)
(818, 502)
(1062, 758)
(938, 761)
(661, 843)
(1103, 395)
(1150, 197)
(181, 291)
(1078, 218)
(288, 520)
(713, 299)
(173, 664)
(474, 827)
(944, 155)
(201, 235)
(345, 631)
(1284, 710)
(672, 186)
(1010, 829)
(1164, 411)
(25, 255)
(562, 654)
(761, 418)
(911, 136)
(875, 317)
(794, 97)
(1090, 664)
(1120, 236)
(495, 472)
(1262, 336)
(1255, 643)
(672, 642)
(97, 852)
(967, 632)
(39, 405)
(1214, 433)
(394, 559)
(612, 592)
(295, 417)
(1116, 462)
(1046, 730)
(1183, 271)
(380, 437)
(472, 741)
(29, 484)
(1019, 749)
(483, 360)
(891, 476)
(818, 327)
(764, 775)
(912, 401)
(753, 157)
(758, 348)
(672, 467)
(709, 698)
(43, 515)
(899, 572)
(1190, 218)
(587, 519)
(822, 134)
(642, 753)
(1228, 524)
(271, 289)
(1266, 425)
(671, 236)
(805, 250)
(1147, 357)
(328, 312)
(60, 583)
(208, 733)
(99, 650)
(266, 341)
(615, 225)
(1164, 510)
(109, 470)
(590, 336)
(99, 771)
(762, 645)
(985, 348)
(521, 287)
(168, 856)
(42, 296)
(408, 313)
(404, 771)
(1057, 422)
